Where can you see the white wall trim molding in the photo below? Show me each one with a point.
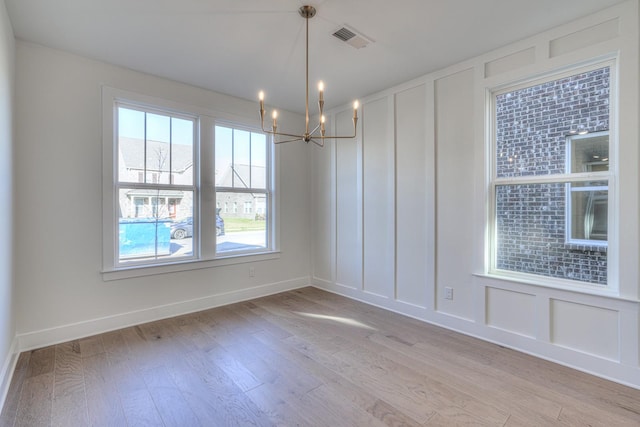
(8, 368)
(56, 335)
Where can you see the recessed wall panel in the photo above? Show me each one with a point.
(321, 191)
(379, 223)
(584, 38)
(510, 62)
(511, 311)
(411, 193)
(348, 207)
(455, 192)
(585, 328)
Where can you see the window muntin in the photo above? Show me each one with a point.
(550, 203)
(242, 187)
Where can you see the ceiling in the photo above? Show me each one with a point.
(239, 47)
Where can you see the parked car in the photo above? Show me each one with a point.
(184, 228)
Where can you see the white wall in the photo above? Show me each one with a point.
(404, 208)
(7, 315)
(60, 290)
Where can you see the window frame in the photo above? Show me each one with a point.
(204, 239)
(493, 182)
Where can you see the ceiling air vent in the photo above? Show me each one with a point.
(351, 37)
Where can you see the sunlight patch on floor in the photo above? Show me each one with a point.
(343, 320)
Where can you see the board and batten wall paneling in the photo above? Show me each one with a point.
(322, 212)
(445, 168)
(379, 229)
(348, 206)
(454, 118)
(412, 178)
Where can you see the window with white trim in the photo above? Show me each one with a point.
(550, 178)
(242, 180)
(163, 185)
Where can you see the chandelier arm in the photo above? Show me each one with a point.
(321, 145)
(288, 140)
(335, 137)
(291, 135)
(314, 129)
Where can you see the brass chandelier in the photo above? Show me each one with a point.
(307, 12)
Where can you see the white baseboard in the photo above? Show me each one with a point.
(51, 336)
(8, 368)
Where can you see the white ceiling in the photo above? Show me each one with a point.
(238, 47)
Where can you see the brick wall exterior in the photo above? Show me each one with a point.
(532, 125)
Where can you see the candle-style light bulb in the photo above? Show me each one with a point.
(355, 109)
(322, 120)
(261, 98)
(274, 115)
(321, 97)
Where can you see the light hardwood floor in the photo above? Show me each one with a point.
(307, 358)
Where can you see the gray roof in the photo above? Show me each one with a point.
(243, 176)
(133, 155)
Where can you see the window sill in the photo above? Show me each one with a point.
(585, 247)
(556, 284)
(140, 271)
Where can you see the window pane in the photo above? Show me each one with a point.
(158, 128)
(589, 153)
(258, 160)
(181, 151)
(158, 162)
(154, 224)
(242, 223)
(588, 211)
(130, 145)
(533, 123)
(241, 159)
(531, 235)
(224, 156)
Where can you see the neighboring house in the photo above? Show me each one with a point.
(154, 167)
(239, 204)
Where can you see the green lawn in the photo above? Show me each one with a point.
(243, 224)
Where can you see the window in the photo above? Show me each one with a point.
(550, 178)
(160, 202)
(242, 179)
(587, 202)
